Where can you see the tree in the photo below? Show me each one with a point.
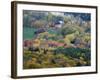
(49, 17)
(67, 30)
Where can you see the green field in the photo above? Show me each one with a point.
(28, 33)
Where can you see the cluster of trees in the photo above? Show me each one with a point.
(69, 57)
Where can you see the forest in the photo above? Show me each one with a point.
(56, 39)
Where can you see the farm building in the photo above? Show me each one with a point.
(58, 24)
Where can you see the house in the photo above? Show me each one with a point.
(58, 24)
